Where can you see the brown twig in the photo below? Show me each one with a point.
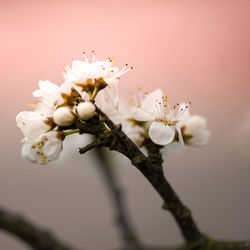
(128, 235)
(151, 167)
(23, 229)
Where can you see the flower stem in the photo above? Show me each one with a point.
(70, 132)
(95, 92)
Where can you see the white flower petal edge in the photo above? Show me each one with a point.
(161, 134)
(196, 126)
(80, 71)
(134, 132)
(165, 118)
(49, 96)
(45, 148)
(108, 100)
(148, 108)
(172, 149)
(32, 124)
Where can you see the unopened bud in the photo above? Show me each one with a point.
(85, 110)
(63, 116)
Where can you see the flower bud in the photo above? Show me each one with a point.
(63, 116)
(195, 131)
(85, 110)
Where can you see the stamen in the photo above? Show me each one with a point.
(132, 99)
(32, 106)
(85, 58)
(123, 72)
(165, 108)
(112, 61)
(124, 68)
(94, 56)
(139, 95)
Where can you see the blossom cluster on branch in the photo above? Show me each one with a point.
(88, 85)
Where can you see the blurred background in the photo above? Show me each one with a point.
(194, 50)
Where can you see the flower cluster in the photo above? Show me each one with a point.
(90, 84)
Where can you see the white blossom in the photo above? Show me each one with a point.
(90, 84)
(108, 100)
(85, 110)
(63, 116)
(45, 148)
(134, 132)
(32, 124)
(81, 71)
(194, 129)
(49, 96)
(163, 118)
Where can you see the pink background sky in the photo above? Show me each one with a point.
(194, 50)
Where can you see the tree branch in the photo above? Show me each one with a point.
(127, 232)
(23, 229)
(90, 146)
(154, 174)
(151, 167)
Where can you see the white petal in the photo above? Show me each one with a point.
(32, 124)
(47, 147)
(171, 149)
(35, 129)
(66, 87)
(151, 100)
(195, 123)
(140, 115)
(161, 134)
(200, 138)
(180, 137)
(108, 99)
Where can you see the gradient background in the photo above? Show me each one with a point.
(193, 50)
